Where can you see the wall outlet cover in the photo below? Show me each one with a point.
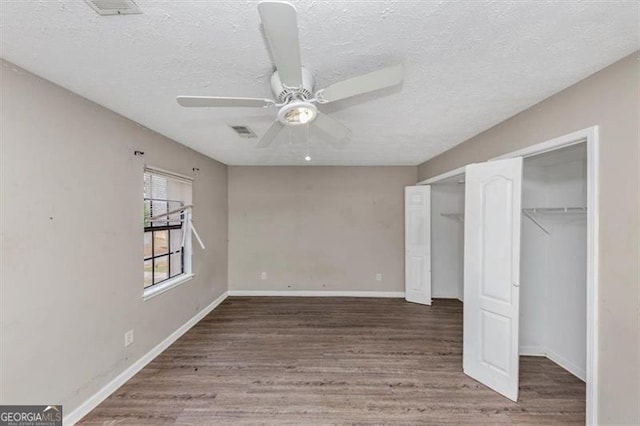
(128, 338)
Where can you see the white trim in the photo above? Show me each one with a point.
(591, 137)
(533, 351)
(316, 293)
(158, 289)
(564, 141)
(168, 173)
(567, 365)
(574, 138)
(442, 176)
(554, 357)
(446, 295)
(131, 371)
(593, 262)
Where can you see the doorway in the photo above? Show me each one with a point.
(553, 218)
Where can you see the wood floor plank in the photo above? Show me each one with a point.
(332, 361)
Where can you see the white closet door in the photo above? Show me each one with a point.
(492, 274)
(417, 240)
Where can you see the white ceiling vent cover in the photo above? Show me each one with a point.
(244, 131)
(114, 7)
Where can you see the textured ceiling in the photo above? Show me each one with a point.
(468, 65)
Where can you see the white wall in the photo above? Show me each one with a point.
(447, 241)
(553, 288)
(72, 242)
(533, 267)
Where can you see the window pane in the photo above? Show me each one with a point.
(147, 273)
(147, 213)
(158, 187)
(157, 208)
(176, 240)
(176, 264)
(160, 242)
(176, 217)
(147, 245)
(147, 185)
(160, 269)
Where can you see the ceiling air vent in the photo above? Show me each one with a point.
(244, 131)
(114, 7)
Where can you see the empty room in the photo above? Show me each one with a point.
(319, 212)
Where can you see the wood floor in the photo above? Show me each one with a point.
(332, 361)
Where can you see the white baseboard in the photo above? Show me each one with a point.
(316, 293)
(445, 296)
(533, 351)
(567, 365)
(561, 361)
(122, 378)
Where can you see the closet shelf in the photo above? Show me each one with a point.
(531, 212)
(556, 210)
(551, 211)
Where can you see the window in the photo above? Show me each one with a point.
(167, 243)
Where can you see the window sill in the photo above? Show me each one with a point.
(165, 286)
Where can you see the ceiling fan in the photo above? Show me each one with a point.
(293, 84)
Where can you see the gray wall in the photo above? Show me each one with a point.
(71, 269)
(610, 99)
(317, 228)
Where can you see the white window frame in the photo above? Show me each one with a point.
(187, 274)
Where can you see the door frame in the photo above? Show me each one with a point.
(590, 136)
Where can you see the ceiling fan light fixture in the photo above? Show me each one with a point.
(297, 113)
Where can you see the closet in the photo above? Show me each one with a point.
(447, 238)
(550, 282)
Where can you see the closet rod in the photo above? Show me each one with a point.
(556, 210)
(529, 212)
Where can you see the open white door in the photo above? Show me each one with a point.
(492, 274)
(417, 242)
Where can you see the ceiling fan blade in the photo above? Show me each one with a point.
(270, 135)
(365, 83)
(281, 26)
(217, 101)
(338, 133)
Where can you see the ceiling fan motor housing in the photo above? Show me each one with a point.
(286, 94)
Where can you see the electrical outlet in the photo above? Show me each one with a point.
(378, 276)
(128, 338)
(263, 276)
